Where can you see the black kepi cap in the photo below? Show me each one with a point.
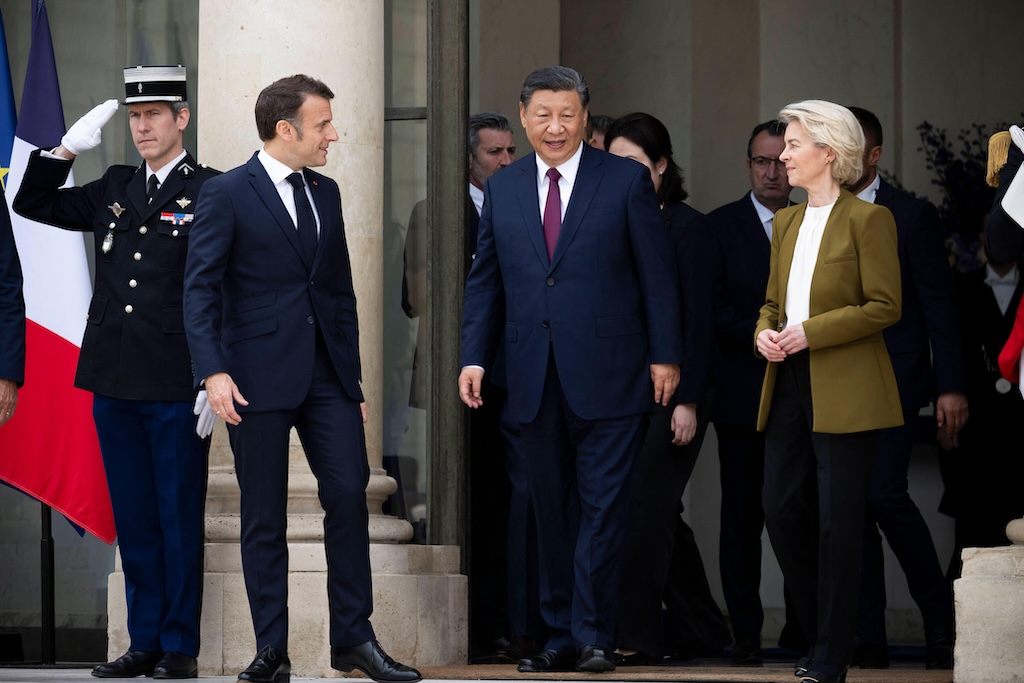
(154, 84)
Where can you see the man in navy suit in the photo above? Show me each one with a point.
(271, 323)
(742, 233)
(573, 264)
(12, 320)
(929, 322)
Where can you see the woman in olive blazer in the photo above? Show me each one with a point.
(834, 285)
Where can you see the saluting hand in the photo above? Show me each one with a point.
(87, 132)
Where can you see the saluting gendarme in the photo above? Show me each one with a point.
(135, 360)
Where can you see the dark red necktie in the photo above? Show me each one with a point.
(552, 212)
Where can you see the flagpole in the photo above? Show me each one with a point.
(49, 629)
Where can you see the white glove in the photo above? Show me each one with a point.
(204, 425)
(87, 131)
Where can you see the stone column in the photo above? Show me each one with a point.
(420, 599)
(989, 607)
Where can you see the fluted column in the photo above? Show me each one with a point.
(244, 45)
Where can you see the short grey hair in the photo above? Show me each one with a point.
(557, 79)
(485, 119)
(177, 107)
(832, 125)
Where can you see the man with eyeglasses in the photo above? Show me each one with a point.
(743, 233)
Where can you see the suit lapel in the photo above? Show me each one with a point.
(529, 204)
(328, 219)
(267, 193)
(588, 177)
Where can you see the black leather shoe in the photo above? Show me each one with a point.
(595, 659)
(549, 660)
(371, 659)
(818, 677)
(637, 658)
(129, 665)
(512, 651)
(176, 665)
(803, 665)
(270, 666)
(747, 652)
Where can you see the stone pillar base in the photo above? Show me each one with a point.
(989, 603)
(420, 609)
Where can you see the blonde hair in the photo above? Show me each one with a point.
(831, 125)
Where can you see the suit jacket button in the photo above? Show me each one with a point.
(309, 320)
(143, 229)
(128, 308)
(133, 283)
(551, 281)
(545, 324)
(138, 256)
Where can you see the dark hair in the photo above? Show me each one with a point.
(488, 120)
(774, 127)
(281, 100)
(871, 125)
(652, 137)
(598, 123)
(557, 79)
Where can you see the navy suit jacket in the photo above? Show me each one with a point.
(929, 305)
(605, 303)
(252, 303)
(12, 305)
(741, 257)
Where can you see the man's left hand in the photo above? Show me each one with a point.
(666, 379)
(950, 415)
(8, 399)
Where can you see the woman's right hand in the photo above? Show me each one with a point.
(768, 346)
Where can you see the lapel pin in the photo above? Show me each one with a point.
(186, 169)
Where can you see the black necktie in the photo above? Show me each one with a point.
(306, 224)
(151, 187)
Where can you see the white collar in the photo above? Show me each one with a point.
(165, 170)
(568, 169)
(274, 168)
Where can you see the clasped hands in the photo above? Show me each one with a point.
(775, 346)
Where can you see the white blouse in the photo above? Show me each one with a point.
(805, 257)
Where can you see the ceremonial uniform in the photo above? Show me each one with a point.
(135, 361)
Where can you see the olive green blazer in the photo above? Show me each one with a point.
(856, 292)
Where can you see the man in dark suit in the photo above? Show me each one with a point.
(135, 361)
(12, 320)
(929, 322)
(571, 264)
(271, 323)
(741, 232)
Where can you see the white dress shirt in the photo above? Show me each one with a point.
(569, 170)
(164, 171)
(766, 215)
(279, 173)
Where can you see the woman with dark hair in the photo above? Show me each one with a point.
(662, 562)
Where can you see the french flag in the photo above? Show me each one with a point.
(49, 449)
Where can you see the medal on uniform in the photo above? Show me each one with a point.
(183, 202)
(1003, 385)
(108, 242)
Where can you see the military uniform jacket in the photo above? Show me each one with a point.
(134, 346)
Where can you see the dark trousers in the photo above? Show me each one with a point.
(890, 508)
(580, 475)
(663, 563)
(523, 566)
(741, 464)
(330, 428)
(156, 473)
(814, 498)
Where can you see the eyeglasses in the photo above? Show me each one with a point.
(762, 163)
